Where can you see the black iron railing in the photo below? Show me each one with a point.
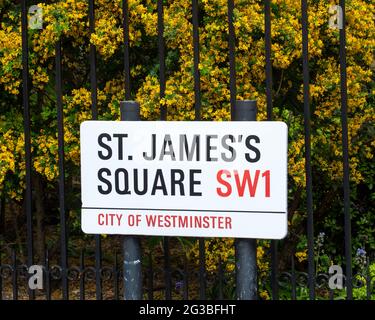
(14, 274)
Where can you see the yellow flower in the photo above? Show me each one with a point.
(264, 295)
(301, 255)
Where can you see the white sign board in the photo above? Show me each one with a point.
(201, 179)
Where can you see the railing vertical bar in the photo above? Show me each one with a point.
(197, 86)
(331, 294)
(167, 269)
(82, 275)
(2, 219)
(307, 128)
(125, 17)
(61, 156)
(14, 275)
(345, 154)
(2, 230)
(274, 270)
(368, 280)
(269, 84)
(27, 136)
(94, 110)
(267, 40)
(202, 269)
(232, 63)
(98, 267)
(47, 275)
(115, 278)
(197, 107)
(1, 281)
(150, 287)
(186, 278)
(161, 48)
(163, 116)
(293, 279)
(93, 81)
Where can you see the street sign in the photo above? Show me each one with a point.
(201, 179)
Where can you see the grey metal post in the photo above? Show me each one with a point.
(131, 244)
(245, 249)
